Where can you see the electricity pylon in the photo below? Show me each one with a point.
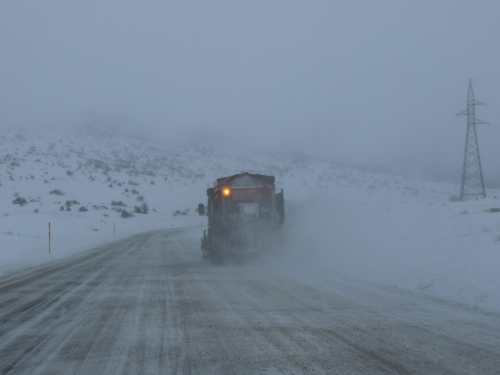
(472, 174)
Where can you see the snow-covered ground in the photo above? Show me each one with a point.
(400, 231)
(413, 239)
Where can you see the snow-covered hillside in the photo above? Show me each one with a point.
(95, 185)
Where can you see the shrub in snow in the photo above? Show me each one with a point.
(132, 183)
(133, 191)
(20, 136)
(101, 207)
(35, 210)
(98, 164)
(183, 213)
(126, 214)
(119, 203)
(20, 201)
(57, 192)
(493, 209)
(69, 173)
(83, 209)
(140, 198)
(62, 208)
(69, 203)
(144, 209)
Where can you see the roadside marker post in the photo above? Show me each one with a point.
(49, 237)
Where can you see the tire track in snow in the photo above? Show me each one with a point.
(149, 304)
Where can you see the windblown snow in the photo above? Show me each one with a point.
(95, 185)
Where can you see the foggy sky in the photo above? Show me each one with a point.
(369, 82)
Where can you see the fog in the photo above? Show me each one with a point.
(366, 83)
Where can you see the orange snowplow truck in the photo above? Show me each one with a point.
(245, 216)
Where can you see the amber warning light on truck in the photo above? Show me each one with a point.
(226, 192)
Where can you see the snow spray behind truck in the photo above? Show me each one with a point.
(245, 216)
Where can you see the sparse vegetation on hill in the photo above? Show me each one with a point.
(20, 201)
(89, 167)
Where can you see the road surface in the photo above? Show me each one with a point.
(149, 304)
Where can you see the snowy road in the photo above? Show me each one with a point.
(149, 305)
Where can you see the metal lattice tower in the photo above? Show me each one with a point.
(472, 174)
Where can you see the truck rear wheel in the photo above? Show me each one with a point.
(217, 252)
(216, 258)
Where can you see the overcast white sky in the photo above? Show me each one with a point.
(363, 81)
